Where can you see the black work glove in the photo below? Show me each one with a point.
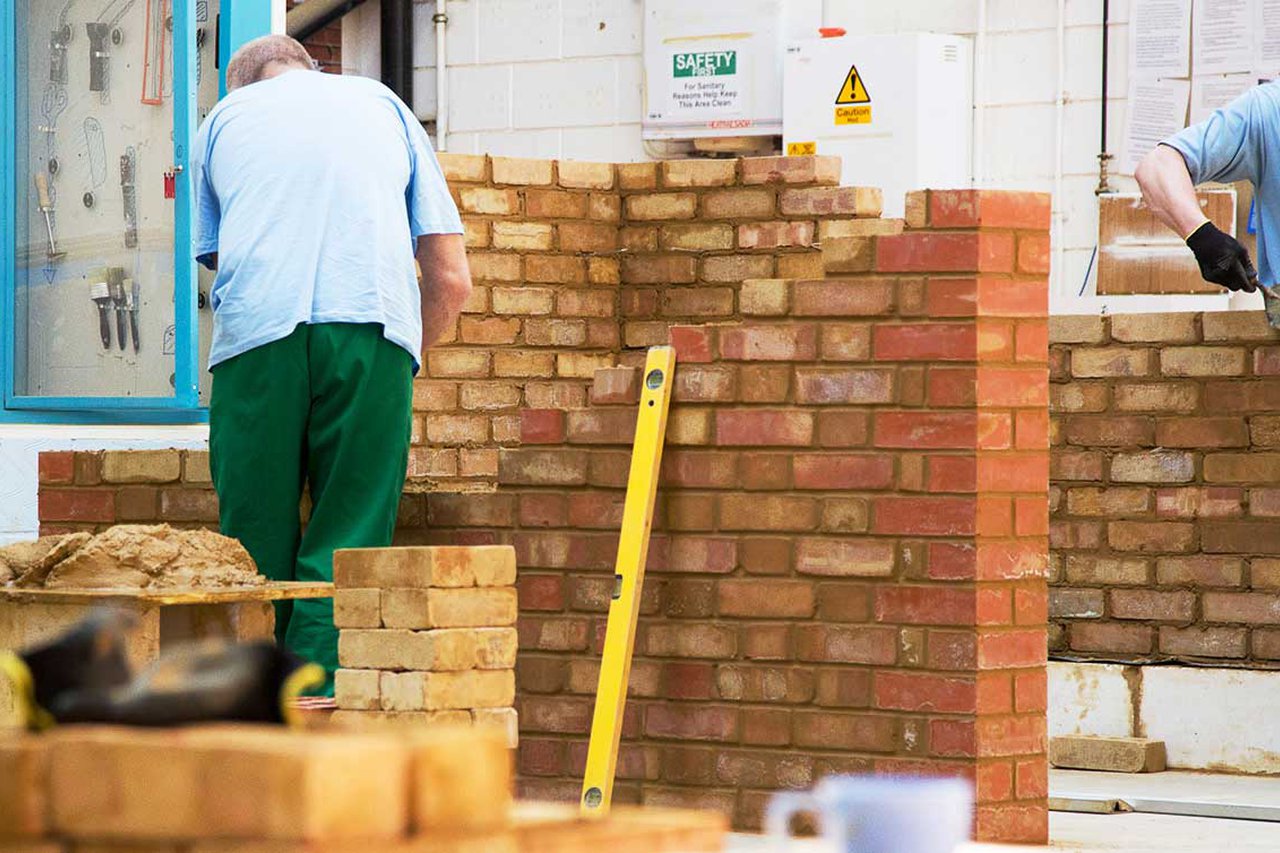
(1222, 259)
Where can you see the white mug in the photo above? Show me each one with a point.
(881, 814)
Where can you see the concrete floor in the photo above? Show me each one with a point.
(1130, 832)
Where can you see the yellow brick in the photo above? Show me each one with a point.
(689, 426)
(637, 176)
(475, 688)
(765, 297)
(604, 271)
(23, 786)
(492, 266)
(800, 265)
(523, 300)
(365, 721)
(849, 254)
(457, 690)
(699, 173)
(466, 168)
(439, 566)
(662, 206)
(522, 235)
(518, 170)
(195, 468)
(471, 608)
(586, 176)
(227, 782)
(495, 647)
(402, 649)
(141, 466)
(505, 720)
(834, 228)
(475, 233)
(578, 365)
(917, 209)
(696, 237)
(357, 689)
(462, 780)
(489, 200)
(356, 608)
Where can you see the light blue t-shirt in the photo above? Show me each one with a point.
(1233, 145)
(312, 188)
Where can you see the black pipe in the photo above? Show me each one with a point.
(1106, 18)
(397, 48)
(308, 28)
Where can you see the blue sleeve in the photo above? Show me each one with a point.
(1229, 145)
(207, 209)
(430, 206)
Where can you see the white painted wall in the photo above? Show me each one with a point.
(563, 78)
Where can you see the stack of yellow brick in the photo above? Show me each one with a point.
(426, 635)
(242, 789)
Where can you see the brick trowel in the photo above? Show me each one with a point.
(1271, 304)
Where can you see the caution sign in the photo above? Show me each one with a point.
(802, 149)
(853, 104)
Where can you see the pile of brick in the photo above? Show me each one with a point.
(426, 636)
(248, 788)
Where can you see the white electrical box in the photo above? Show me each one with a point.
(898, 109)
(713, 68)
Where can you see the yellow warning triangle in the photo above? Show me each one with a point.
(853, 92)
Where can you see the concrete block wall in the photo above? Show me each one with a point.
(848, 566)
(1166, 434)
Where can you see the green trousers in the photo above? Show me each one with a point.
(328, 408)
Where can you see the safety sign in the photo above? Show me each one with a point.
(853, 103)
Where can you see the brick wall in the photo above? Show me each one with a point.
(325, 46)
(850, 547)
(1166, 434)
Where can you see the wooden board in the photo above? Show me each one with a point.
(270, 591)
(1139, 254)
(537, 828)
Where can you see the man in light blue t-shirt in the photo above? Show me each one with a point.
(1236, 143)
(314, 193)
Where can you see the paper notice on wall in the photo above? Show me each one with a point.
(1267, 32)
(1157, 110)
(1222, 38)
(1160, 38)
(1210, 93)
(705, 82)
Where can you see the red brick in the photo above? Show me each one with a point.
(763, 427)
(542, 426)
(1031, 691)
(769, 343)
(830, 471)
(922, 251)
(1202, 432)
(925, 342)
(845, 557)
(845, 731)
(925, 605)
(990, 209)
(1011, 649)
(846, 644)
(76, 505)
(1111, 637)
(853, 297)
(1028, 386)
(1033, 253)
(849, 386)
(1013, 823)
(57, 466)
(766, 599)
(942, 516)
(693, 344)
(901, 691)
(691, 722)
(926, 430)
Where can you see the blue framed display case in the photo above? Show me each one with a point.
(101, 309)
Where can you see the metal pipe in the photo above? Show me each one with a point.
(397, 48)
(1104, 159)
(441, 20)
(306, 19)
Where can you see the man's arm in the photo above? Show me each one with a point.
(1169, 193)
(446, 283)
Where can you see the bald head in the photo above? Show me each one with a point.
(264, 58)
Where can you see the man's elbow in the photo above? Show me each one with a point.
(455, 287)
(1147, 168)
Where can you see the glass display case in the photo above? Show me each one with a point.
(103, 308)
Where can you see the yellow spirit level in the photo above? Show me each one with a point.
(633, 549)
